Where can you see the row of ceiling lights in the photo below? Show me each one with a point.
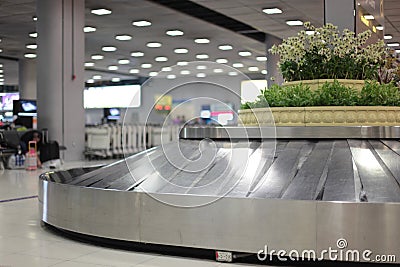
(275, 10)
(1, 74)
(171, 32)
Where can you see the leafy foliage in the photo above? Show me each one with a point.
(374, 94)
(336, 94)
(330, 94)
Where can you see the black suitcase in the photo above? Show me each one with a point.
(49, 150)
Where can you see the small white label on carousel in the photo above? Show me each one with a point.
(223, 256)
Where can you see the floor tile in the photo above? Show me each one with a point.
(112, 257)
(21, 260)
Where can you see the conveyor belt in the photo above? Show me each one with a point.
(298, 169)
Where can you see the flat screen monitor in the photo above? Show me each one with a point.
(25, 108)
(112, 114)
(7, 100)
(122, 96)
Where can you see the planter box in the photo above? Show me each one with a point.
(317, 83)
(321, 116)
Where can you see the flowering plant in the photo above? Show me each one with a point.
(326, 53)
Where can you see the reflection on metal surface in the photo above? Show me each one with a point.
(294, 194)
(298, 132)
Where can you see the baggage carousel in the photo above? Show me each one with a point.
(244, 190)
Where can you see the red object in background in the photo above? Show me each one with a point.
(158, 107)
(167, 107)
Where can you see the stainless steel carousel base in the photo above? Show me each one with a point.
(309, 196)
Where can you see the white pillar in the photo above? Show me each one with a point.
(340, 13)
(60, 71)
(27, 78)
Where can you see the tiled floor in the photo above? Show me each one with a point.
(24, 242)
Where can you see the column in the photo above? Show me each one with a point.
(273, 75)
(60, 71)
(340, 13)
(27, 78)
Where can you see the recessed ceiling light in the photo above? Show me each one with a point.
(115, 80)
(182, 63)
(34, 18)
(200, 75)
(141, 23)
(166, 69)
(201, 67)
(97, 57)
(30, 55)
(161, 59)
(153, 73)
(237, 65)
(387, 37)
(123, 37)
(90, 81)
(380, 28)
(171, 76)
(137, 54)
(33, 34)
(369, 17)
(244, 53)
(89, 29)
(201, 41)
(253, 69)
(2, 80)
(202, 56)
(1, 50)
(124, 61)
(221, 60)
(1, 71)
(1, 65)
(218, 70)
(232, 73)
(1, 76)
(113, 67)
(174, 32)
(225, 47)
(271, 11)
(261, 58)
(294, 22)
(181, 51)
(185, 72)
(89, 64)
(101, 11)
(96, 77)
(393, 44)
(309, 32)
(153, 44)
(134, 71)
(146, 65)
(264, 72)
(109, 48)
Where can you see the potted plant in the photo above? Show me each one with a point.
(317, 65)
(320, 54)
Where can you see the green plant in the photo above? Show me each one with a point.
(326, 53)
(330, 94)
(336, 94)
(374, 94)
(291, 96)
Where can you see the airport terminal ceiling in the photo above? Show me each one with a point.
(17, 23)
